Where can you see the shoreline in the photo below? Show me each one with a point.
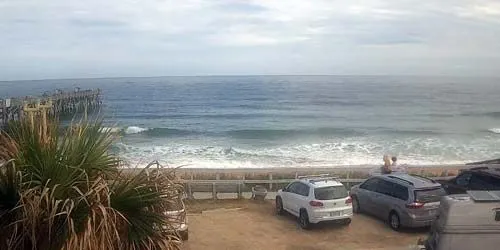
(292, 173)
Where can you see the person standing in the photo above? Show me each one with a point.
(394, 161)
(387, 169)
(396, 167)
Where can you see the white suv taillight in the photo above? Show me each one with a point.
(349, 200)
(316, 203)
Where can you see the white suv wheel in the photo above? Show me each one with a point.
(304, 220)
(279, 206)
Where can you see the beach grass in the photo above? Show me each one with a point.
(65, 191)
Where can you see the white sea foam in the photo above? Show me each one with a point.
(355, 152)
(111, 129)
(494, 130)
(135, 130)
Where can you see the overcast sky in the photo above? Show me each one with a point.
(107, 38)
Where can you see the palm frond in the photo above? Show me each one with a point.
(66, 191)
(142, 199)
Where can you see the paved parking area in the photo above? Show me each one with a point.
(242, 225)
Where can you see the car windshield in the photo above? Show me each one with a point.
(429, 195)
(484, 182)
(174, 205)
(330, 193)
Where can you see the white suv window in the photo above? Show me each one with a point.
(330, 193)
(302, 189)
(292, 188)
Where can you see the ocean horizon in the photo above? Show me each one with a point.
(293, 121)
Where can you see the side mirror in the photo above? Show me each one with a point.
(284, 189)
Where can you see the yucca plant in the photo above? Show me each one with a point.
(66, 191)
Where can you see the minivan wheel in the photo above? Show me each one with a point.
(304, 220)
(279, 206)
(394, 221)
(355, 206)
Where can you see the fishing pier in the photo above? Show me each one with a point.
(59, 103)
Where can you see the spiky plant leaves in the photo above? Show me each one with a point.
(142, 200)
(86, 147)
(10, 182)
(55, 193)
(9, 186)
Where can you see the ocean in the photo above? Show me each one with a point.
(294, 121)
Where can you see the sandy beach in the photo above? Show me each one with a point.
(249, 225)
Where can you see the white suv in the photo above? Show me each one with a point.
(315, 199)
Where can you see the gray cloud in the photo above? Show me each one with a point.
(68, 38)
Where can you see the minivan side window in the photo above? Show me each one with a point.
(393, 189)
(400, 192)
(370, 184)
(384, 187)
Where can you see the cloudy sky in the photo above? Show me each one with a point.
(106, 38)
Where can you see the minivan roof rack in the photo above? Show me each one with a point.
(401, 179)
(313, 176)
(423, 177)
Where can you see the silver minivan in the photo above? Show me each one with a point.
(402, 200)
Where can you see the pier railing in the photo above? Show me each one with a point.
(57, 104)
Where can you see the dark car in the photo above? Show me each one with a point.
(477, 178)
(176, 214)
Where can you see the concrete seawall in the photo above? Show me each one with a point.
(291, 173)
(189, 173)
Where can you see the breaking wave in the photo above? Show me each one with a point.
(494, 130)
(134, 130)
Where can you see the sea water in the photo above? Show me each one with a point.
(294, 121)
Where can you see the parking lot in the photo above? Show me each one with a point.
(244, 224)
